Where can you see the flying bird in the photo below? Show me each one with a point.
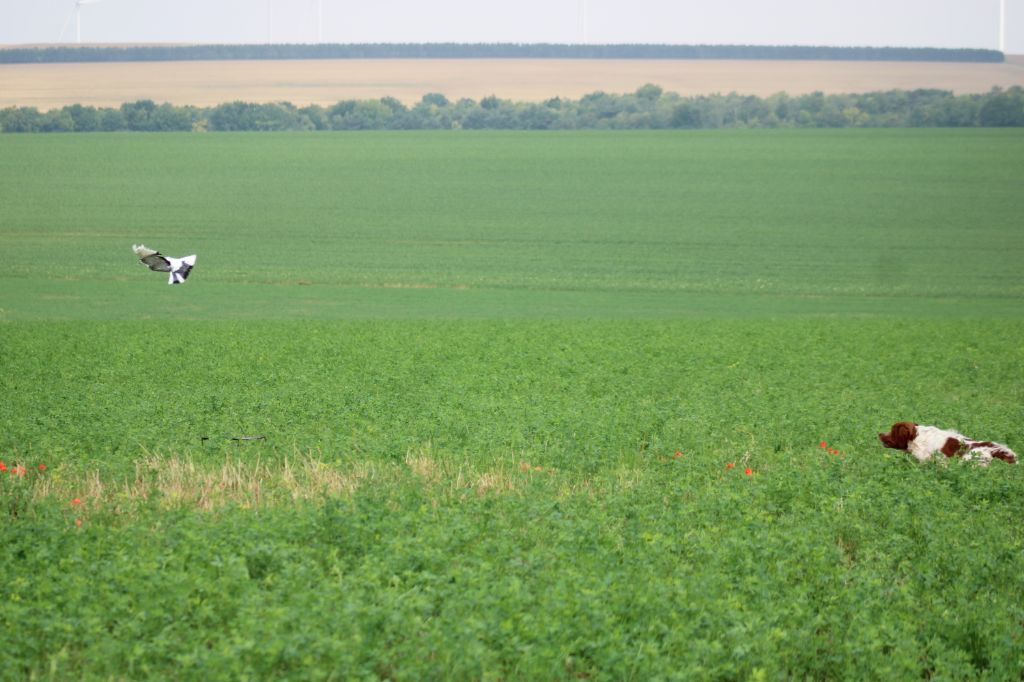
(156, 261)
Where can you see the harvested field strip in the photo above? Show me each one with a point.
(325, 82)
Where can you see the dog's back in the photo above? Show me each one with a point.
(923, 441)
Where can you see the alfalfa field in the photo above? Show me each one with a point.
(510, 405)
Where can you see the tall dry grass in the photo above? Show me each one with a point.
(183, 481)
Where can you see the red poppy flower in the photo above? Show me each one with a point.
(20, 471)
(78, 522)
(730, 465)
(679, 453)
(823, 444)
(75, 502)
(3, 467)
(748, 471)
(42, 467)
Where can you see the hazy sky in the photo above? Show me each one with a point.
(913, 23)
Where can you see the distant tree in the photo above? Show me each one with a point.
(111, 120)
(598, 108)
(506, 50)
(1003, 108)
(780, 104)
(831, 115)
(370, 115)
(394, 105)
(649, 92)
(537, 117)
(714, 111)
(248, 116)
(435, 99)
(962, 111)
(314, 117)
(57, 121)
(811, 103)
(85, 119)
(499, 113)
(229, 116)
(339, 112)
(20, 120)
(426, 117)
(751, 110)
(686, 115)
(137, 114)
(168, 118)
(854, 117)
(280, 116)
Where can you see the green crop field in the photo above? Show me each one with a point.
(454, 405)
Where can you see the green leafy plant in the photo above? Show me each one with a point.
(641, 443)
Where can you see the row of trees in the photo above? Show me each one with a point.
(648, 107)
(69, 53)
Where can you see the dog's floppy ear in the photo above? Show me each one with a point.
(899, 435)
(903, 433)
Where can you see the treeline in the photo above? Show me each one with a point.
(649, 107)
(76, 53)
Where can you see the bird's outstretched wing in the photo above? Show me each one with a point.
(180, 267)
(154, 260)
(157, 262)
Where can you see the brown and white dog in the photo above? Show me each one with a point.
(924, 441)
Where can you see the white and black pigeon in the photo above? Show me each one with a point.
(154, 260)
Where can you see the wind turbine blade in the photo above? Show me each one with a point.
(582, 19)
(67, 22)
(1002, 26)
(320, 21)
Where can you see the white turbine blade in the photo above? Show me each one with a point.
(78, 17)
(1002, 26)
(67, 22)
(582, 18)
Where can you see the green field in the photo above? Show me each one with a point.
(492, 225)
(509, 387)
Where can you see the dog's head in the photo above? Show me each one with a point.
(899, 435)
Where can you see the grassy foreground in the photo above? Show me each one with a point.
(508, 413)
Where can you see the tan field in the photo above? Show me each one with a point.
(302, 82)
